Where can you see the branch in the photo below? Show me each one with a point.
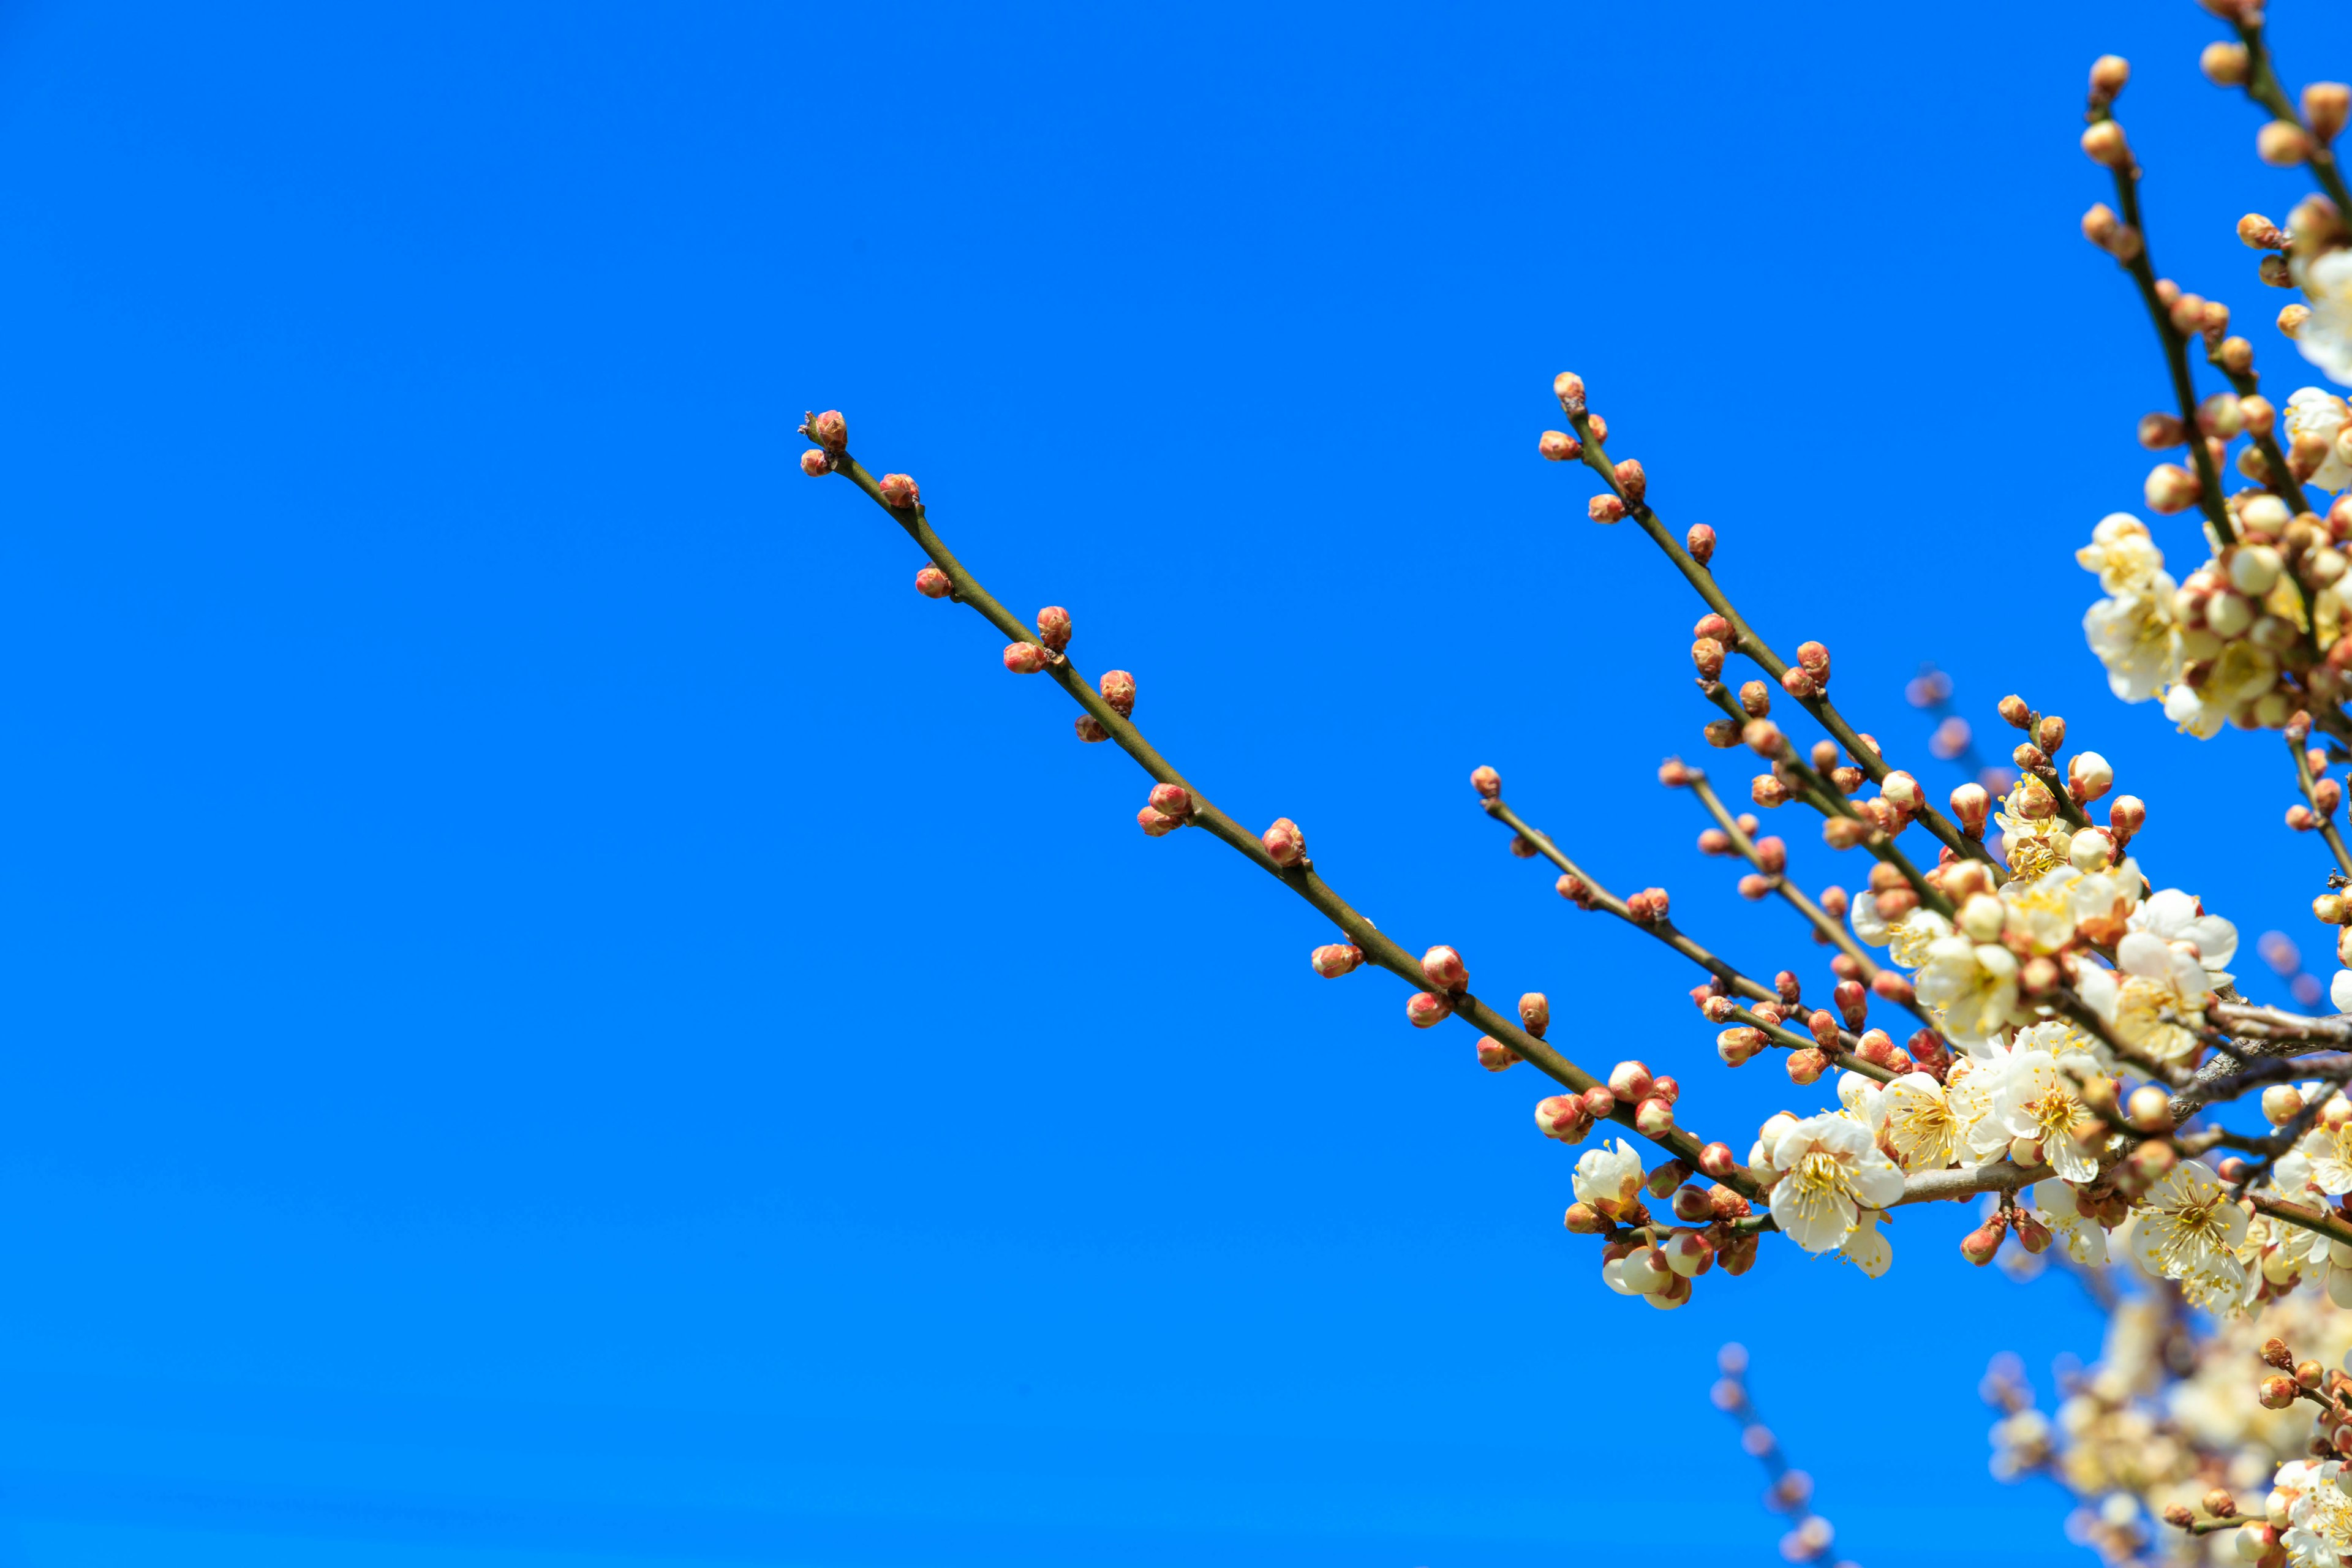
(2325, 821)
(2310, 1219)
(2262, 85)
(1300, 877)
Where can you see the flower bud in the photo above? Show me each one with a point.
(1716, 1161)
(1118, 690)
(1025, 658)
(1053, 627)
(1653, 1119)
(1535, 1012)
(1631, 481)
(1562, 1116)
(2108, 74)
(2088, 777)
(1090, 729)
(1425, 1010)
(2175, 1514)
(2281, 1103)
(1444, 967)
(828, 430)
(1806, 1066)
(1569, 387)
(2282, 145)
(1979, 1245)
(1630, 1081)
(2276, 1354)
(2278, 1392)
(2325, 106)
(1487, 782)
(1560, 446)
(2149, 1109)
(1971, 805)
(899, 491)
(2104, 143)
(1665, 1088)
(1853, 1004)
(1895, 986)
(2220, 1504)
(1599, 1103)
(2290, 323)
(814, 464)
(1156, 824)
(1583, 1219)
(1700, 543)
(1171, 800)
(2225, 65)
(2091, 850)
(1740, 1046)
(2161, 432)
(1605, 509)
(2259, 416)
(1706, 658)
(2032, 1234)
(2331, 909)
(1336, 959)
(2170, 488)
(1284, 845)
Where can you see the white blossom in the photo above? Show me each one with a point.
(1866, 1248)
(2241, 672)
(2041, 909)
(2086, 1240)
(1830, 1171)
(2319, 1519)
(2176, 916)
(2326, 339)
(2314, 411)
(2138, 637)
(2124, 555)
(2188, 1229)
(1972, 987)
(2154, 998)
(1917, 1122)
(2037, 1102)
(1608, 1178)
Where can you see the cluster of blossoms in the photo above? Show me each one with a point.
(2069, 1028)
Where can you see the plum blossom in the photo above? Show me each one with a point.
(2326, 339)
(2138, 637)
(2235, 677)
(2038, 1102)
(1831, 1170)
(2041, 909)
(2086, 1239)
(2328, 1151)
(2314, 411)
(2154, 998)
(1866, 1248)
(2176, 916)
(2032, 844)
(2319, 1516)
(1609, 1178)
(1971, 986)
(1916, 1121)
(2188, 1229)
(2123, 553)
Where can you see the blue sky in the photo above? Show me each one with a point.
(559, 1014)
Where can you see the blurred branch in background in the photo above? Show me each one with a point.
(1787, 1490)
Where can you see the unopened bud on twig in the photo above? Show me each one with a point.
(1025, 658)
(1706, 658)
(1494, 1055)
(1569, 387)
(814, 464)
(1090, 729)
(2170, 488)
(1562, 1116)
(1633, 480)
(1336, 959)
(2225, 65)
(828, 430)
(1156, 824)
(2108, 74)
(1284, 845)
(1445, 968)
(2282, 145)
(2256, 232)
(1487, 782)
(2324, 107)
(899, 491)
(1535, 1012)
(2281, 1103)
(933, 583)
(2088, 777)
(1425, 1011)
(1700, 543)
(2149, 1109)
(1118, 690)
(2127, 814)
(1053, 627)
(1171, 800)
(1560, 446)
(2104, 143)
(1605, 509)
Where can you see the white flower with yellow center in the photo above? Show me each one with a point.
(1970, 1090)
(2033, 844)
(2123, 553)
(2314, 411)
(2188, 1229)
(1866, 1248)
(1831, 1170)
(1609, 1178)
(1916, 1121)
(2239, 673)
(2041, 909)
(1909, 938)
(2154, 998)
(2137, 637)
(2328, 1151)
(2076, 1050)
(2179, 917)
(2086, 1242)
(1972, 987)
(2104, 902)
(2038, 1102)
(2319, 1512)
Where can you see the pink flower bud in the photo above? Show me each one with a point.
(1090, 729)
(1771, 856)
(2088, 777)
(1653, 1119)
(1445, 968)
(2281, 1103)
(1599, 1103)
(1605, 509)
(2326, 794)
(2326, 105)
(1569, 387)
(1025, 658)
(2104, 143)
(1692, 1207)
(1763, 737)
(932, 583)
(1717, 1007)
(1979, 1245)
(1284, 843)
(1895, 987)
(1562, 1116)
(1806, 1066)
(1487, 782)
(899, 491)
(1494, 1055)
(1560, 446)
(1535, 1014)
(1903, 790)
(1753, 887)
(1814, 660)
(1425, 1010)
(2127, 815)
(2149, 1109)
(1700, 543)
(2299, 817)
(1971, 805)
(814, 464)
(1674, 774)
(1852, 1003)
(1629, 1081)
(1336, 959)
(1053, 627)
(1633, 480)
(1843, 832)
(1523, 847)
(1800, 683)
(1706, 658)
(1717, 1161)
(1573, 890)
(2162, 432)
(1118, 690)
(1157, 825)
(828, 430)
(2282, 145)
(1740, 1046)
